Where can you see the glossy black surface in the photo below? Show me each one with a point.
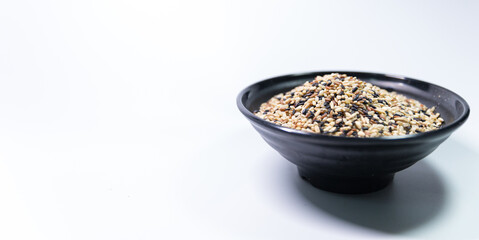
(354, 165)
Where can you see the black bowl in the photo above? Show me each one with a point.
(351, 164)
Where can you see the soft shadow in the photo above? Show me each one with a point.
(416, 196)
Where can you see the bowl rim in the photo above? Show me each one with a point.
(441, 131)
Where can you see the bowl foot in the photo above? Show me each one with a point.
(345, 184)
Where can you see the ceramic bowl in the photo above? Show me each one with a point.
(352, 164)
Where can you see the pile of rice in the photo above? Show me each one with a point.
(341, 105)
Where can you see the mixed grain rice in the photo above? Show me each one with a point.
(341, 105)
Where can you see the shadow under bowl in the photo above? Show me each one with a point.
(352, 164)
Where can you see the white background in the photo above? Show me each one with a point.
(118, 118)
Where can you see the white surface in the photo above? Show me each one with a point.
(119, 119)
